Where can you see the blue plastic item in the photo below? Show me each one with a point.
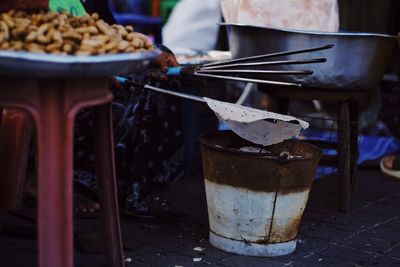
(370, 148)
(140, 7)
(174, 71)
(140, 22)
(121, 80)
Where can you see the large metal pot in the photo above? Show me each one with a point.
(357, 60)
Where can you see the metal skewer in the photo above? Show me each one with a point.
(286, 53)
(249, 80)
(177, 94)
(163, 91)
(182, 95)
(267, 63)
(220, 70)
(244, 71)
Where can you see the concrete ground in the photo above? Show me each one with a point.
(368, 235)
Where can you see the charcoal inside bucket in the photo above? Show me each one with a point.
(229, 141)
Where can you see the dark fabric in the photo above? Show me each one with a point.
(101, 7)
(369, 15)
(147, 136)
(381, 16)
(148, 144)
(133, 6)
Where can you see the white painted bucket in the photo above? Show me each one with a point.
(256, 200)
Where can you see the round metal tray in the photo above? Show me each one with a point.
(46, 65)
(194, 57)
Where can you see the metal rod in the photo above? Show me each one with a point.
(282, 72)
(249, 80)
(267, 63)
(182, 95)
(163, 91)
(286, 53)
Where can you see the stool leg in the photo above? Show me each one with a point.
(344, 156)
(354, 125)
(15, 138)
(54, 150)
(107, 184)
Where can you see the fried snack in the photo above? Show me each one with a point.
(64, 34)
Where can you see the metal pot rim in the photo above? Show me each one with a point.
(350, 34)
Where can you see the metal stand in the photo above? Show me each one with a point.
(347, 145)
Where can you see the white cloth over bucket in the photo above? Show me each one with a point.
(250, 123)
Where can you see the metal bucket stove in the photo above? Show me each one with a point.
(354, 65)
(256, 199)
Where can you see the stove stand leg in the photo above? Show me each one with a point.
(344, 170)
(354, 131)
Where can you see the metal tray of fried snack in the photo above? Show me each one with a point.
(17, 63)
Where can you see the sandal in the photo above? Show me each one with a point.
(81, 195)
(138, 210)
(83, 198)
(85, 195)
(395, 170)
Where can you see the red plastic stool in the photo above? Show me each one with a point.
(53, 104)
(15, 138)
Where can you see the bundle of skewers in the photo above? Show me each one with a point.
(241, 69)
(257, 126)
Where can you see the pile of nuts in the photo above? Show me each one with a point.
(49, 32)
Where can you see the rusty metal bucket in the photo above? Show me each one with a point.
(256, 200)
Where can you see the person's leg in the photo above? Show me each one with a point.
(85, 159)
(86, 192)
(88, 206)
(155, 149)
(139, 152)
(85, 181)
